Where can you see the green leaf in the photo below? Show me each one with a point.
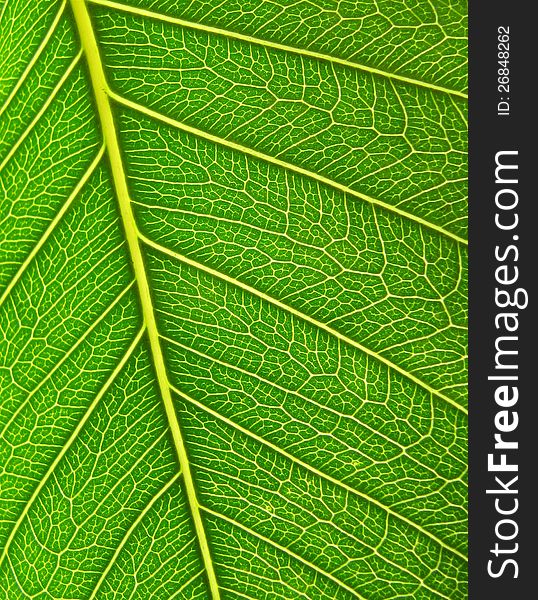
(233, 299)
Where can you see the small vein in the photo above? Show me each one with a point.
(318, 473)
(282, 164)
(307, 399)
(285, 550)
(42, 110)
(73, 348)
(81, 183)
(130, 531)
(70, 441)
(304, 317)
(236, 594)
(275, 45)
(34, 58)
(179, 593)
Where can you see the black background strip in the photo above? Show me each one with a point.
(488, 134)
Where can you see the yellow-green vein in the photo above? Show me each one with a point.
(304, 317)
(130, 531)
(81, 183)
(64, 358)
(99, 85)
(341, 484)
(281, 163)
(35, 57)
(42, 110)
(70, 441)
(285, 550)
(141, 12)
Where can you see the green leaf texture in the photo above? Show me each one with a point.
(233, 299)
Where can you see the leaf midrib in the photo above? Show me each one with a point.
(100, 87)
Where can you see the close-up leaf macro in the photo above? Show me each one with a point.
(233, 299)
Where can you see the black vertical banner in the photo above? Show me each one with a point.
(503, 262)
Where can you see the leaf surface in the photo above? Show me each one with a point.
(233, 300)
